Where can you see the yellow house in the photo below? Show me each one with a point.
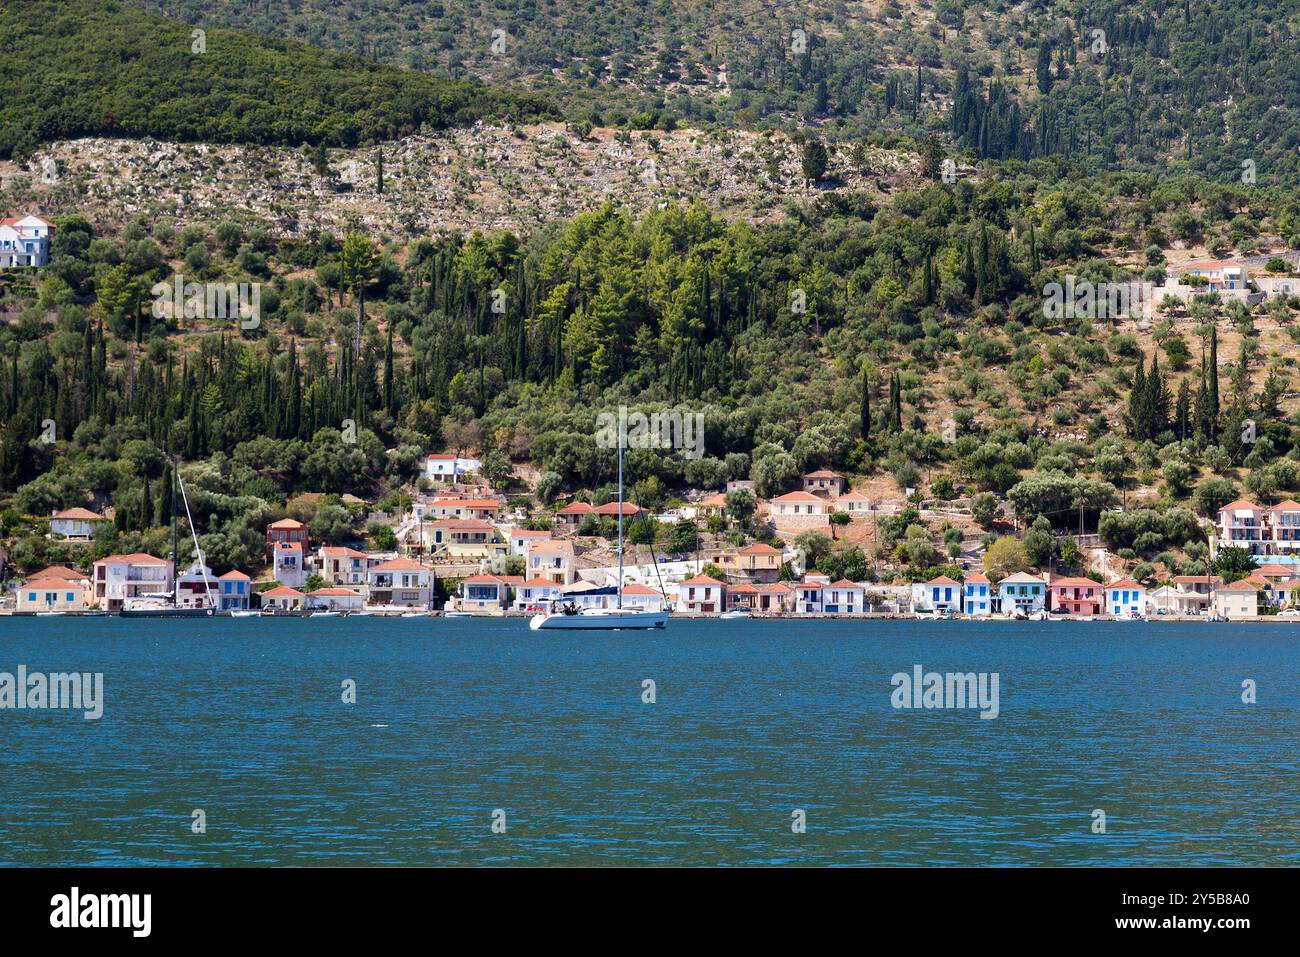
(757, 562)
(1238, 600)
(51, 594)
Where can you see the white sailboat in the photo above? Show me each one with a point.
(166, 604)
(568, 617)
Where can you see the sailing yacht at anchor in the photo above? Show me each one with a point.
(166, 604)
(568, 617)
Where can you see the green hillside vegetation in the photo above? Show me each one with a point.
(1204, 85)
(923, 359)
(101, 68)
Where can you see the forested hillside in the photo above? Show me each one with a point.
(923, 358)
(101, 68)
(1201, 84)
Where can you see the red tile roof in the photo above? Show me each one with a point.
(82, 513)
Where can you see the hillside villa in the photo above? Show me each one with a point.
(25, 241)
(75, 524)
(824, 482)
(800, 510)
(445, 467)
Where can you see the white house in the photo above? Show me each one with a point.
(400, 581)
(75, 523)
(344, 566)
(335, 598)
(1220, 274)
(643, 597)
(977, 595)
(800, 510)
(701, 595)
(1126, 599)
(1022, 593)
(198, 587)
(485, 594)
(536, 594)
(809, 593)
(25, 242)
(445, 467)
(843, 597)
(233, 591)
(120, 577)
(521, 538)
(288, 565)
(552, 560)
(940, 594)
(283, 599)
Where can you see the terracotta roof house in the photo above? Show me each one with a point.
(77, 524)
(825, 482)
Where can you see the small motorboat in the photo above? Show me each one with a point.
(245, 613)
(735, 615)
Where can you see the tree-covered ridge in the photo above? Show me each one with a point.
(919, 356)
(1202, 84)
(99, 67)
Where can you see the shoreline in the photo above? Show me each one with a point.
(687, 616)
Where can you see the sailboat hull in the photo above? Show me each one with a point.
(600, 619)
(167, 612)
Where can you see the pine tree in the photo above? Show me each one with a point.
(379, 171)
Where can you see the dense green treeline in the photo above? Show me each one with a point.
(101, 68)
(908, 340)
(1204, 85)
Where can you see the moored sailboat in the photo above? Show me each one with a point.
(569, 617)
(166, 604)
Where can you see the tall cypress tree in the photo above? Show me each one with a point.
(1137, 399)
(1182, 412)
(1213, 386)
(864, 414)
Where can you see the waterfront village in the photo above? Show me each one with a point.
(461, 548)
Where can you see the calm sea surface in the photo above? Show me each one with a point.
(457, 719)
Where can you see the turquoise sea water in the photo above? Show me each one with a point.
(455, 719)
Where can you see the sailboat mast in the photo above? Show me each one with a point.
(203, 570)
(175, 552)
(620, 517)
